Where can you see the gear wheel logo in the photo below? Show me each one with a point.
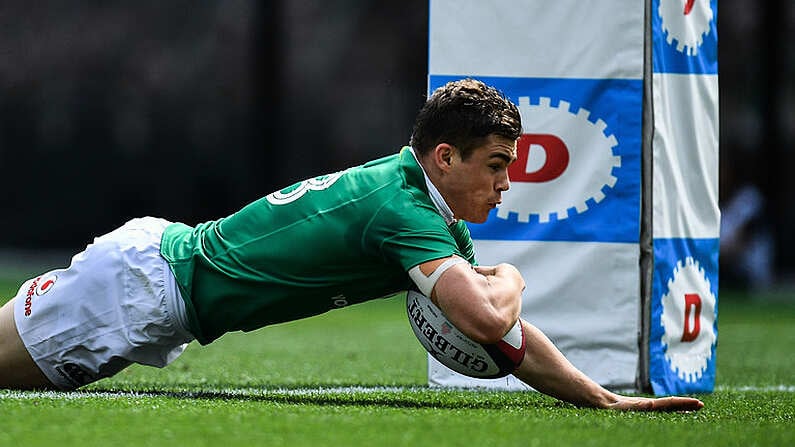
(688, 318)
(564, 162)
(686, 21)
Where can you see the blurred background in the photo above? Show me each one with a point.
(187, 110)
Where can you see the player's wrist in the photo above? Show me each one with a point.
(604, 399)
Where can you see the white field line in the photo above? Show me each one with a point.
(771, 388)
(258, 392)
(231, 392)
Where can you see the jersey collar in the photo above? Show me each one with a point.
(435, 195)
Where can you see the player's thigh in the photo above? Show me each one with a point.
(17, 368)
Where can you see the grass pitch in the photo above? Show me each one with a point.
(357, 377)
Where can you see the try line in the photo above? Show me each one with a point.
(259, 392)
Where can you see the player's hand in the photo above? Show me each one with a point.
(672, 403)
(486, 270)
(505, 271)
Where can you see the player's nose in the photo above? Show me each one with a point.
(503, 183)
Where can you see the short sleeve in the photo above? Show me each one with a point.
(412, 236)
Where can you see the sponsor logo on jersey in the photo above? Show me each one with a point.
(38, 287)
(339, 300)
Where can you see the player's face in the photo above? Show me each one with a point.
(474, 186)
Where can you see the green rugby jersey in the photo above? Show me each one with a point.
(323, 243)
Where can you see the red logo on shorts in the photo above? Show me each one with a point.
(39, 287)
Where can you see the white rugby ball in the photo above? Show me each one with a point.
(458, 352)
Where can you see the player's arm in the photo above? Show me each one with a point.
(474, 298)
(546, 369)
(482, 302)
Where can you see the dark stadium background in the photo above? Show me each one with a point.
(187, 110)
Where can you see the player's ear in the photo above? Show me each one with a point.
(443, 156)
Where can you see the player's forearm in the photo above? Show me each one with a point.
(483, 303)
(546, 369)
(503, 287)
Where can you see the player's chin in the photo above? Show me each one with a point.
(484, 214)
(479, 219)
(478, 216)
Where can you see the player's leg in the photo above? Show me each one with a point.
(116, 304)
(17, 369)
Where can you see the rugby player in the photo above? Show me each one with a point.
(142, 292)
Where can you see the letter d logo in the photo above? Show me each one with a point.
(692, 301)
(540, 158)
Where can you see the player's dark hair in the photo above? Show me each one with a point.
(464, 113)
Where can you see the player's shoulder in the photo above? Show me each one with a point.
(396, 178)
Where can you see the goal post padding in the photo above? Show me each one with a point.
(574, 216)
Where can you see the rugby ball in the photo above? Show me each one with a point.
(458, 352)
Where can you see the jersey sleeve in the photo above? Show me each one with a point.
(410, 237)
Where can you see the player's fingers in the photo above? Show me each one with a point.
(672, 403)
(485, 270)
(632, 404)
(642, 405)
(675, 403)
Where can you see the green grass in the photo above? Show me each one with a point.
(288, 385)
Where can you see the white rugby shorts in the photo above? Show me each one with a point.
(116, 304)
